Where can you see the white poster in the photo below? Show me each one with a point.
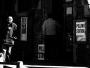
(81, 31)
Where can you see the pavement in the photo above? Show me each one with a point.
(20, 64)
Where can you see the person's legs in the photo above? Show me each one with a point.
(9, 51)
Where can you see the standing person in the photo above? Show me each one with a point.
(49, 29)
(11, 28)
(9, 37)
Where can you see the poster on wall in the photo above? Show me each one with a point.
(81, 31)
(41, 52)
(24, 28)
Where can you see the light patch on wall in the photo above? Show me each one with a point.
(68, 0)
(69, 10)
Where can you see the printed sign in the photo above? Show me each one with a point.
(81, 31)
(41, 51)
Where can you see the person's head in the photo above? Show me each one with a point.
(10, 19)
